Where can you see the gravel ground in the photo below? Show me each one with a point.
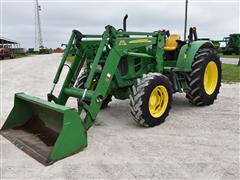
(229, 60)
(194, 142)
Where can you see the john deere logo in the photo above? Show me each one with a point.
(185, 56)
(140, 41)
(122, 43)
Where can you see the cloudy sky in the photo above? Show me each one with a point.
(213, 18)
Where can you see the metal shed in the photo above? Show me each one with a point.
(10, 44)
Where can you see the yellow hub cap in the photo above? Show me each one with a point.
(210, 77)
(158, 101)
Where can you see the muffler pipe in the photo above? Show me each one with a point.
(125, 22)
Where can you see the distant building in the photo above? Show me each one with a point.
(12, 45)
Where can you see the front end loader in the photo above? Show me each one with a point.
(146, 67)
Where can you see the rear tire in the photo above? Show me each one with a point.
(151, 99)
(205, 78)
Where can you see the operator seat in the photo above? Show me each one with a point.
(171, 42)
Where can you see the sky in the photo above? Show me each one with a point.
(214, 19)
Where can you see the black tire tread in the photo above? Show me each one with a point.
(136, 97)
(80, 84)
(194, 95)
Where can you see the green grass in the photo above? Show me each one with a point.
(20, 55)
(230, 73)
(229, 56)
(70, 58)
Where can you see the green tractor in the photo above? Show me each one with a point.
(146, 67)
(43, 50)
(232, 45)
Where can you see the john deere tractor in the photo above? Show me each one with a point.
(232, 44)
(146, 67)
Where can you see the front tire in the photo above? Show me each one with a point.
(205, 78)
(80, 84)
(151, 99)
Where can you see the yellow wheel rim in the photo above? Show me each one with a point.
(210, 77)
(93, 86)
(158, 101)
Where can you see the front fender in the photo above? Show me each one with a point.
(188, 52)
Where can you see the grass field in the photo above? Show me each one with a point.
(20, 55)
(70, 58)
(230, 73)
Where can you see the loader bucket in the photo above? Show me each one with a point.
(46, 131)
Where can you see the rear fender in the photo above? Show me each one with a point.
(188, 52)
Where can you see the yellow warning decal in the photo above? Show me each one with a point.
(140, 41)
(122, 43)
(185, 56)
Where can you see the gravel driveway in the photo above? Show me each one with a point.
(194, 142)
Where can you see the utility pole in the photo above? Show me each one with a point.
(38, 30)
(185, 24)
